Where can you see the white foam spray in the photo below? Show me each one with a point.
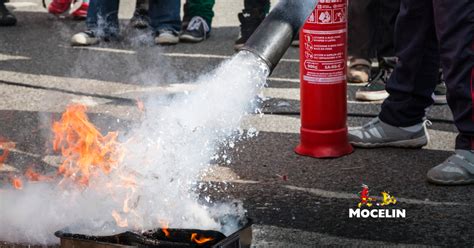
(165, 155)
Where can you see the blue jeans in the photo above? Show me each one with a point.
(102, 16)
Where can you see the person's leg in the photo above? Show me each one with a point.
(455, 28)
(102, 17)
(165, 15)
(400, 123)
(263, 5)
(361, 47)
(252, 15)
(361, 29)
(141, 4)
(140, 17)
(165, 20)
(199, 18)
(101, 21)
(385, 16)
(414, 78)
(202, 8)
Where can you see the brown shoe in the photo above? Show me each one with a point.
(358, 71)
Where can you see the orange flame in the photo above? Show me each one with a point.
(164, 228)
(17, 183)
(5, 145)
(200, 240)
(33, 176)
(121, 222)
(84, 148)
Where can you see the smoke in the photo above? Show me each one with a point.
(164, 159)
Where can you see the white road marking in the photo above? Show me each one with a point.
(21, 4)
(343, 195)
(101, 49)
(277, 79)
(5, 57)
(197, 55)
(177, 55)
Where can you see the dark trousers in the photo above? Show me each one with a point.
(371, 26)
(102, 15)
(202, 8)
(425, 32)
(263, 5)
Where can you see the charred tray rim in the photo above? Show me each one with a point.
(244, 234)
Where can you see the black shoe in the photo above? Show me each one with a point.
(140, 19)
(249, 22)
(6, 17)
(375, 89)
(196, 31)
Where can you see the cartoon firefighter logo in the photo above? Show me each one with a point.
(366, 200)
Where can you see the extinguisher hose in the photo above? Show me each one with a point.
(275, 34)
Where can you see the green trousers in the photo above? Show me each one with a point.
(202, 8)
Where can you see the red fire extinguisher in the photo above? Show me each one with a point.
(323, 56)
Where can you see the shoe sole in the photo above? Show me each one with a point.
(440, 100)
(450, 182)
(372, 96)
(412, 143)
(190, 38)
(167, 42)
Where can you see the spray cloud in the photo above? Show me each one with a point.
(164, 157)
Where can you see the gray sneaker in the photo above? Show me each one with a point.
(457, 169)
(377, 133)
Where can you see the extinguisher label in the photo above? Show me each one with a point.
(324, 43)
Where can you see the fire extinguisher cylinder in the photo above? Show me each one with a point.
(274, 36)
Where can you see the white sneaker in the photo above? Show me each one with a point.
(166, 37)
(86, 38)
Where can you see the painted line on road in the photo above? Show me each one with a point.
(100, 49)
(277, 79)
(341, 195)
(196, 55)
(6, 57)
(213, 56)
(21, 4)
(175, 55)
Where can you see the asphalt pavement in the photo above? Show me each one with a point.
(295, 201)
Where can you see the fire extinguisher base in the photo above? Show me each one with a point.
(324, 144)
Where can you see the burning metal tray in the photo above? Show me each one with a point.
(176, 238)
